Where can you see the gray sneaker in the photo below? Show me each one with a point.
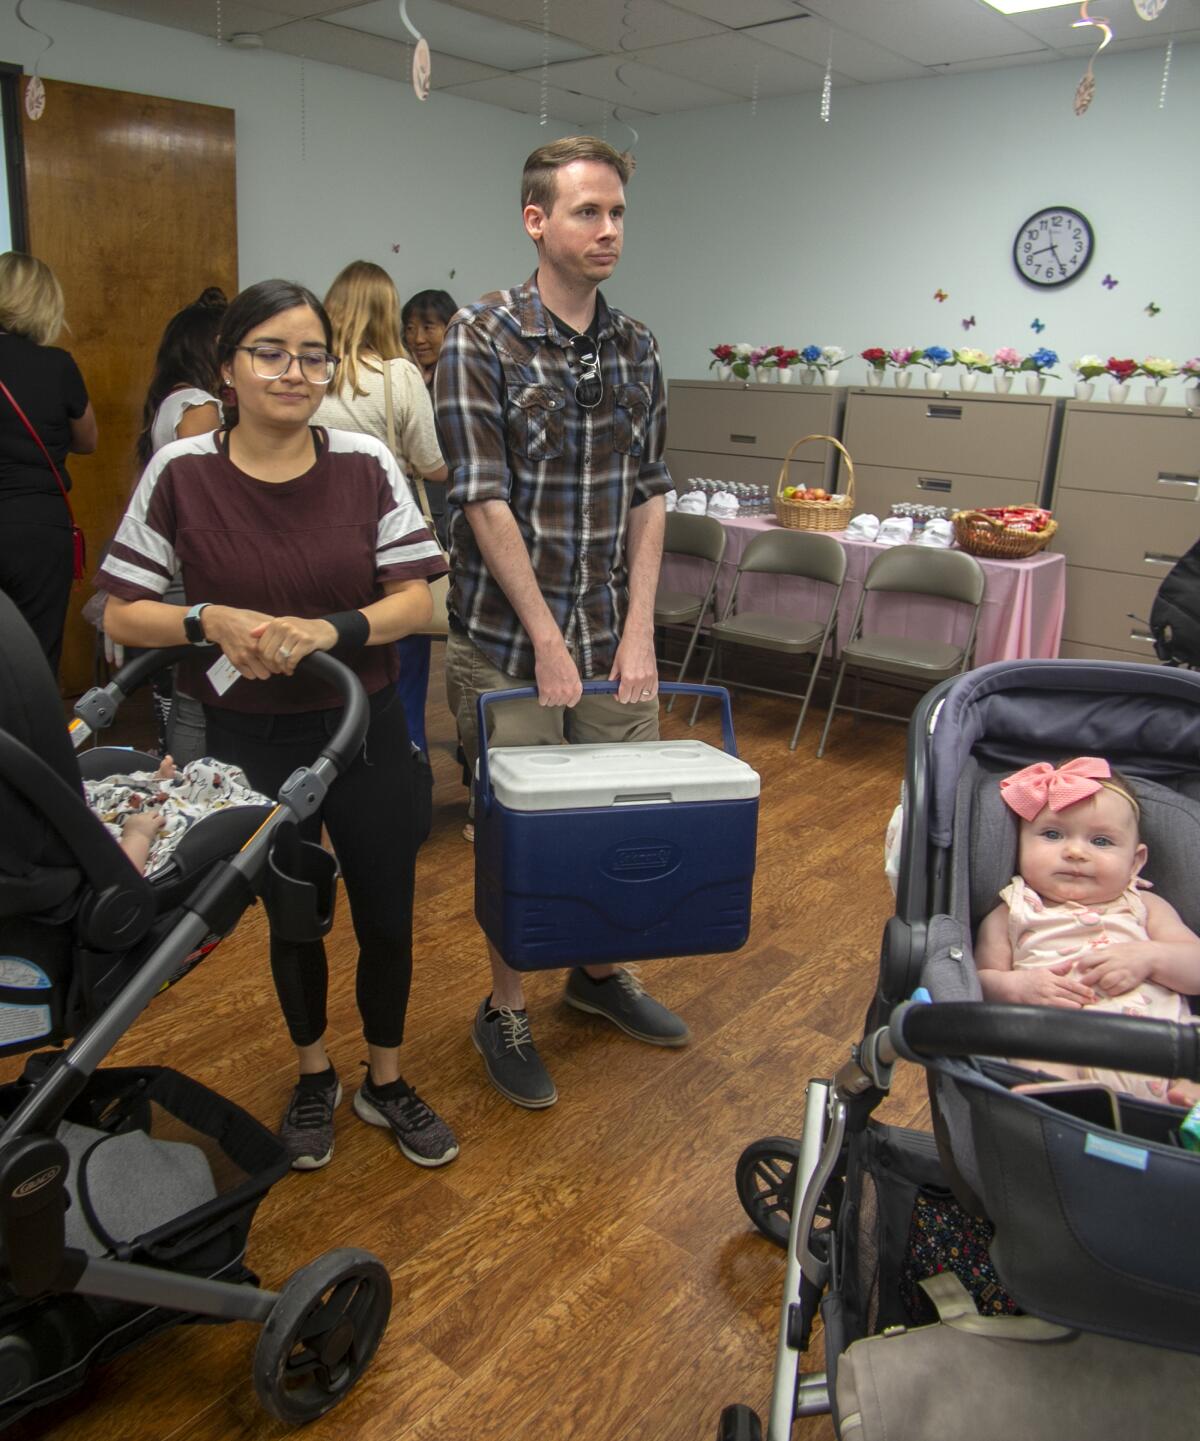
(510, 1057)
(622, 999)
(419, 1131)
(307, 1126)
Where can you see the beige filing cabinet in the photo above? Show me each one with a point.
(740, 431)
(959, 449)
(1127, 502)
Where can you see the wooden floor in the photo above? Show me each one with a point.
(579, 1274)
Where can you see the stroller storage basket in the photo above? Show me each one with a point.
(141, 1114)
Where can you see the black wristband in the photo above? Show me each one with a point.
(353, 629)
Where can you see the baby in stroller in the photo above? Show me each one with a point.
(1072, 928)
(147, 812)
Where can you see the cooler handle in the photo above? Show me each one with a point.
(595, 687)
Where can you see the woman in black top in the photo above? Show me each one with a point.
(35, 530)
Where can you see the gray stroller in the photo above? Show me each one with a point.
(127, 1193)
(1076, 1222)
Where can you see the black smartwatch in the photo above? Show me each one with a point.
(193, 626)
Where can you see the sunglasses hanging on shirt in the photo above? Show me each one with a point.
(589, 387)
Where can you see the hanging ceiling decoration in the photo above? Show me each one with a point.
(35, 91)
(1086, 89)
(422, 63)
(827, 83)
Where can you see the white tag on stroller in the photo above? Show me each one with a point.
(17, 1022)
(222, 675)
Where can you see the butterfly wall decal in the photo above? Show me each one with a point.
(1038, 326)
(396, 248)
(940, 295)
(968, 322)
(1152, 310)
(1109, 283)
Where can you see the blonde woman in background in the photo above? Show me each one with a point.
(36, 554)
(364, 309)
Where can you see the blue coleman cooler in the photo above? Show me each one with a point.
(593, 853)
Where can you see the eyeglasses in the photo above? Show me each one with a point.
(589, 388)
(271, 362)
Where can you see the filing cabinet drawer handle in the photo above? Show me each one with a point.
(944, 412)
(1143, 635)
(1158, 557)
(1168, 477)
(745, 439)
(927, 482)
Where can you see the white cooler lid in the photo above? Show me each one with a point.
(559, 778)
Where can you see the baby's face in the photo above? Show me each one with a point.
(1088, 852)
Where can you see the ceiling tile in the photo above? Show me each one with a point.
(1054, 27)
(745, 67)
(853, 57)
(603, 25)
(465, 33)
(336, 45)
(628, 82)
(306, 9)
(515, 92)
(928, 32)
(198, 16)
(737, 14)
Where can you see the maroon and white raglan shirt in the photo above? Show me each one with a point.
(321, 543)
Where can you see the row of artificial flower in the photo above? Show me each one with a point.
(743, 358)
(1088, 367)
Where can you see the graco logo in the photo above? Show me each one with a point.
(643, 861)
(35, 1183)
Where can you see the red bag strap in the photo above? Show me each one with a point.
(38, 442)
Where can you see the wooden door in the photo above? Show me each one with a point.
(132, 203)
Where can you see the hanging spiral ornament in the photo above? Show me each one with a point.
(827, 85)
(543, 107)
(1166, 78)
(754, 92)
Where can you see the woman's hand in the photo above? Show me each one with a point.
(282, 643)
(236, 632)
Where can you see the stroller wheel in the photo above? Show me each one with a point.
(321, 1334)
(766, 1182)
(739, 1423)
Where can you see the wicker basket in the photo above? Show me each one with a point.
(799, 514)
(980, 534)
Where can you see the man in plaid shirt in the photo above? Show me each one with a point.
(551, 412)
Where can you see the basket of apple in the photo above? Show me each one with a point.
(1008, 532)
(802, 507)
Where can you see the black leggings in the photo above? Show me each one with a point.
(36, 564)
(369, 814)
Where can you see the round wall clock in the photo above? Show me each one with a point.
(1053, 246)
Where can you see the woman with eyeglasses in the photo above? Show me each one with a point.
(364, 310)
(294, 539)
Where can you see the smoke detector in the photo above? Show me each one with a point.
(246, 40)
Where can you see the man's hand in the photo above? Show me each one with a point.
(635, 667)
(556, 675)
(1118, 968)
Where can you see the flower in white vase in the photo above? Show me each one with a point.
(1157, 369)
(831, 357)
(1088, 367)
(1007, 359)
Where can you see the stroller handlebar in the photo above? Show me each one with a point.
(919, 1031)
(96, 710)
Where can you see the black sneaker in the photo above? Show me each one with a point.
(307, 1126)
(622, 999)
(419, 1131)
(503, 1039)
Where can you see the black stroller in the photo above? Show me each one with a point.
(1085, 1224)
(126, 1194)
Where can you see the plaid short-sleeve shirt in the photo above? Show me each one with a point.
(512, 430)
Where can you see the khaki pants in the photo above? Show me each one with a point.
(596, 719)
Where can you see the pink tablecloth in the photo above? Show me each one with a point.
(1023, 603)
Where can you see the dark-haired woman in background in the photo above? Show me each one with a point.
(423, 322)
(180, 402)
(294, 539)
(36, 556)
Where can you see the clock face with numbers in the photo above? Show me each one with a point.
(1053, 247)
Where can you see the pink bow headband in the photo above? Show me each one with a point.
(1030, 791)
